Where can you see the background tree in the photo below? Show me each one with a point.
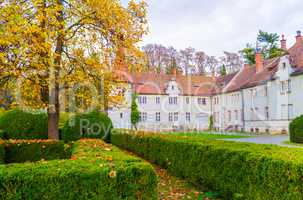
(199, 60)
(231, 61)
(50, 45)
(187, 60)
(135, 114)
(267, 43)
(223, 70)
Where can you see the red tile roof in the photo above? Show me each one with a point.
(151, 83)
(296, 54)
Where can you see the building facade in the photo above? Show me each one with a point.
(264, 97)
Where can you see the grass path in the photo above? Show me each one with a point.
(173, 188)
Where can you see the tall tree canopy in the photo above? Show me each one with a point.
(267, 44)
(50, 45)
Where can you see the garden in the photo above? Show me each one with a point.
(82, 165)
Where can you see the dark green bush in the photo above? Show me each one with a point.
(89, 125)
(296, 130)
(238, 170)
(2, 134)
(18, 124)
(19, 151)
(95, 171)
(2, 152)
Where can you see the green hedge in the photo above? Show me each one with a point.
(19, 151)
(296, 130)
(2, 152)
(95, 171)
(89, 125)
(238, 170)
(18, 124)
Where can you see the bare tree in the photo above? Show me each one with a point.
(199, 60)
(187, 60)
(232, 62)
(211, 64)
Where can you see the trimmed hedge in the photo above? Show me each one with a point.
(296, 130)
(2, 152)
(95, 171)
(18, 124)
(19, 151)
(89, 125)
(238, 170)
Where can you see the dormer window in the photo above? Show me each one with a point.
(284, 65)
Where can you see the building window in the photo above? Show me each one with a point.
(201, 101)
(289, 86)
(256, 113)
(142, 100)
(121, 115)
(170, 117)
(285, 86)
(157, 100)
(251, 114)
(187, 100)
(176, 116)
(229, 115)
(236, 115)
(173, 100)
(143, 116)
(283, 112)
(290, 111)
(188, 117)
(265, 91)
(158, 116)
(266, 113)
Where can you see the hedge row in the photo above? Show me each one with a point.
(18, 124)
(296, 130)
(19, 151)
(238, 170)
(94, 124)
(95, 171)
(2, 152)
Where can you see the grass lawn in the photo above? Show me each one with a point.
(292, 143)
(204, 135)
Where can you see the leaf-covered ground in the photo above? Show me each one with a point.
(173, 188)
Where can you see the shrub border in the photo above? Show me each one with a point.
(237, 170)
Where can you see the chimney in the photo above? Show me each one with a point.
(283, 43)
(259, 61)
(174, 71)
(299, 38)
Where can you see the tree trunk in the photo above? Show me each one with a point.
(54, 106)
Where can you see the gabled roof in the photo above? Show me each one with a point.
(152, 83)
(270, 68)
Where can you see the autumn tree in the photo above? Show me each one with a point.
(50, 47)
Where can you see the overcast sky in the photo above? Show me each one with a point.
(217, 25)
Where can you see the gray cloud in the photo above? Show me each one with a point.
(215, 26)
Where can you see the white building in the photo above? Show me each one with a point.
(264, 97)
